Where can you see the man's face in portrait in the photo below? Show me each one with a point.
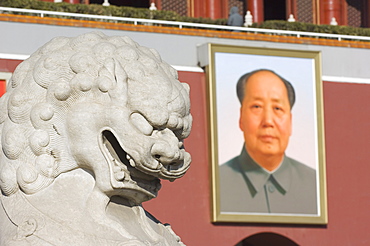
(265, 118)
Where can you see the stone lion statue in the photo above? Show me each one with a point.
(89, 125)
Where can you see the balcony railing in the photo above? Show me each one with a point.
(178, 24)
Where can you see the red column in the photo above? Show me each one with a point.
(2, 87)
(330, 9)
(158, 4)
(256, 8)
(214, 9)
(291, 8)
(207, 8)
(199, 8)
(367, 13)
(72, 1)
(225, 9)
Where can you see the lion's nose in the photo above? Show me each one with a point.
(166, 149)
(166, 154)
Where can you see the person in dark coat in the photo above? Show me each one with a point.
(235, 19)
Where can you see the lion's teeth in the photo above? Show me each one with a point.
(158, 165)
(119, 176)
(132, 163)
(128, 157)
(116, 163)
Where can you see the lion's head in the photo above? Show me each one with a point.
(104, 104)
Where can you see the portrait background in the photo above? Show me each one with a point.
(298, 71)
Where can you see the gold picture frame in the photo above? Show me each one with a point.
(303, 69)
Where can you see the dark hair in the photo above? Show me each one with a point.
(240, 86)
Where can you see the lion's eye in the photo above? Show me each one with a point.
(141, 124)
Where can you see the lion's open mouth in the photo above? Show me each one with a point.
(123, 167)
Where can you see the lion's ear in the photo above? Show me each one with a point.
(113, 70)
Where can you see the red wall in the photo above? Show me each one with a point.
(7, 65)
(185, 203)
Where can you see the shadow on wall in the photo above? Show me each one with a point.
(265, 239)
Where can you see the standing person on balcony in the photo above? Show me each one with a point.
(235, 19)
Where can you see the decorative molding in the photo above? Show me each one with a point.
(13, 56)
(345, 79)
